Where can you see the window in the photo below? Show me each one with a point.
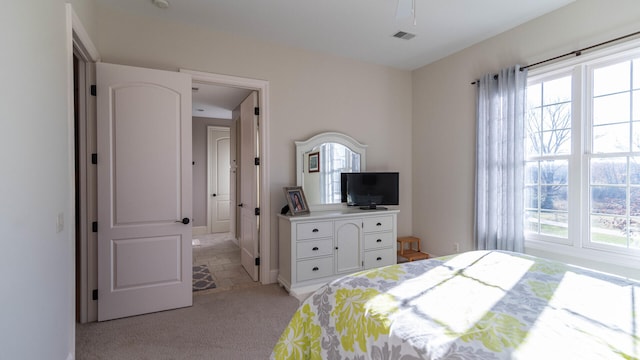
(582, 153)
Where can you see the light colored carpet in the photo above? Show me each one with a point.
(235, 324)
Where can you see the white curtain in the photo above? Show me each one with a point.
(499, 221)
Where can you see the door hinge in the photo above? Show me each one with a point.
(256, 111)
(258, 261)
(94, 226)
(256, 161)
(94, 158)
(256, 211)
(93, 90)
(94, 294)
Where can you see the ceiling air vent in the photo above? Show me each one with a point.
(404, 35)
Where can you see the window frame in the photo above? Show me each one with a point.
(578, 243)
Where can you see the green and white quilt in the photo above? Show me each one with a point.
(475, 305)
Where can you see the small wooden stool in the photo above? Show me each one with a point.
(409, 252)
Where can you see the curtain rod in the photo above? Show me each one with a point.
(575, 52)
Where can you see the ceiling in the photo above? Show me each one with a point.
(357, 29)
(212, 101)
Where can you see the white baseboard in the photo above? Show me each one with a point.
(273, 277)
(199, 230)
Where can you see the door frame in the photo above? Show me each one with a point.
(79, 43)
(262, 87)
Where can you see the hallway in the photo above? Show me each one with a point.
(222, 256)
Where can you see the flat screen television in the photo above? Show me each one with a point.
(368, 190)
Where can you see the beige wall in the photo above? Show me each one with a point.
(37, 305)
(310, 93)
(444, 109)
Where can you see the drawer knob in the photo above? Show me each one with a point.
(314, 230)
(378, 224)
(379, 240)
(315, 268)
(379, 258)
(315, 248)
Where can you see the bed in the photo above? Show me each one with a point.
(474, 305)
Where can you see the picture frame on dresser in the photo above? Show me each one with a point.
(296, 200)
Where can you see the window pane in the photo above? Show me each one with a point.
(554, 224)
(636, 104)
(531, 197)
(531, 221)
(531, 172)
(635, 140)
(634, 170)
(556, 142)
(634, 200)
(554, 172)
(636, 74)
(558, 90)
(609, 171)
(611, 109)
(609, 200)
(611, 79)
(611, 138)
(609, 230)
(634, 232)
(532, 137)
(553, 197)
(534, 96)
(556, 117)
(556, 127)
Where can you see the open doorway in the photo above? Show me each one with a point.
(85, 140)
(216, 158)
(86, 249)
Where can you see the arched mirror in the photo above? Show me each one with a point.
(319, 162)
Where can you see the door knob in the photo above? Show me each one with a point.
(214, 195)
(240, 205)
(184, 221)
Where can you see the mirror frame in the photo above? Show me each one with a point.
(305, 146)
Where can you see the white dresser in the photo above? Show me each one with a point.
(317, 248)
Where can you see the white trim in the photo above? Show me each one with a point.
(601, 256)
(81, 37)
(262, 86)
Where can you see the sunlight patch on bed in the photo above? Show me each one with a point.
(443, 293)
(587, 316)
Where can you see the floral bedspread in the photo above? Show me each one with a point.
(475, 305)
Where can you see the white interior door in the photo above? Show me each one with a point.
(144, 190)
(233, 181)
(219, 148)
(248, 202)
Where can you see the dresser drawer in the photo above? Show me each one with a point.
(306, 249)
(377, 258)
(378, 240)
(314, 268)
(378, 223)
(314, 230)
